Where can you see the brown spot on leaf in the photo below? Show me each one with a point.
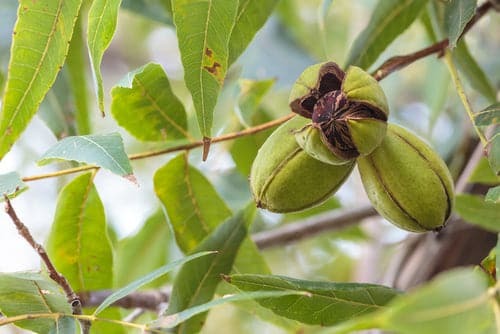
(212, 65)
(214, 69)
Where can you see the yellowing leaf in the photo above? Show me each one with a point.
(78, 243)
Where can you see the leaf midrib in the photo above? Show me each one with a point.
(161, 111)
(202, 95)
(210, 268)
(192, 197)
(314, 293)
(50, 38)
(87, 138)
(79, 233)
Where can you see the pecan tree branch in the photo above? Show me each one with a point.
(57, 277)
(333, 220)
(398, 62)
(148, 300)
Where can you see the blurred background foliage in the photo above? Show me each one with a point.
(299, 33)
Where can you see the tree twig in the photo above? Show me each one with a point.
(185, 147)
(333, 220)
(148, 300)
(398, 62)
(71, 296)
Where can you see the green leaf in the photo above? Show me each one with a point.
(78, 243)
(455, 302)
(428, 18)
(388, 21)
(31, 293)
(328, 303)
(436, 86)
(249, 111)
(2, 80)
(250, 98)
(488, 116)
(56, 109)
(76, 66)
(456, 15)
(483, 174)
(41, 38)
(11, 185)
(250, 17)
(494, 152)
(249, 260)
(146, 279)
(473, 72)
(493, 195)
(99, 327)
(103, 15)
(488, 266)
(203, 30)
(197, 280)
(144, 104)
(244, 149)
(143, 252)
(158, 10)
(475, 210)
(173, 320)
(497, 257)
(193, 206)
(105, 151)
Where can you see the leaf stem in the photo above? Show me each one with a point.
(300, 229)
(461, 93)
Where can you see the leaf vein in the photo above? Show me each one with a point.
(37, 71)
(105, 152)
